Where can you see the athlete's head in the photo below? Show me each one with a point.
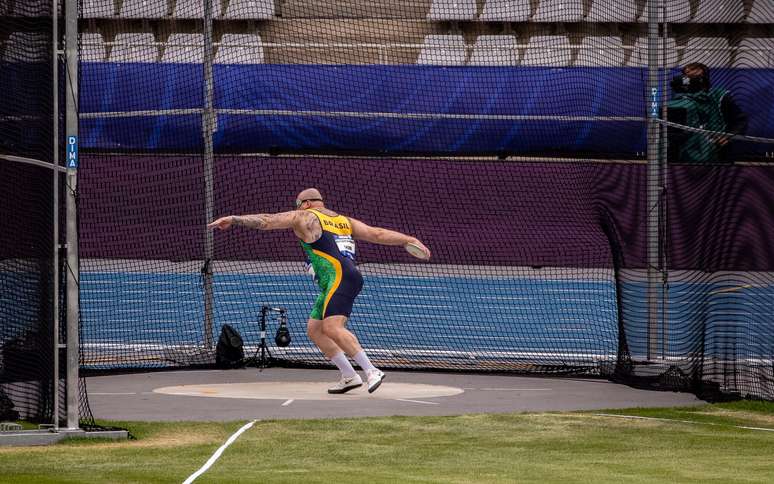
(309, 198)
(696, 69)
(694, 78)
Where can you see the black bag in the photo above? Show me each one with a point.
(230, 352)
(6, 408)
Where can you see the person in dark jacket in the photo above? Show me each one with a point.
(697, 104)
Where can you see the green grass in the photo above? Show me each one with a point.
(548, 447)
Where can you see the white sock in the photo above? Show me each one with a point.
(362, 360)
(343, 364)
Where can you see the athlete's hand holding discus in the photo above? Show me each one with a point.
(417, 249)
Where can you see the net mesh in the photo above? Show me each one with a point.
(543, 259)
(26, 238)
(29, 296)
(26, 279)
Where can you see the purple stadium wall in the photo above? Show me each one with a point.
(469, 212)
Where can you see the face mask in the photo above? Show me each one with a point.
(686, 84)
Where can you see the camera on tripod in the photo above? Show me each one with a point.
(281, 337)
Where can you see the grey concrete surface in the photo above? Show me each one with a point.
(48, 437)
(280, 393)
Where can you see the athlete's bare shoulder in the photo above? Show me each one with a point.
(307, 227)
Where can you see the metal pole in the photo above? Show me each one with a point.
(55, 158)
(208, 130)
(73, 273)
(653, 178)
(663, 227)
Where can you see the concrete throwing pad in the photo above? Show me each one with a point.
(310, 391)
(287, 393)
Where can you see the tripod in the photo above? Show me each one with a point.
(281, 316)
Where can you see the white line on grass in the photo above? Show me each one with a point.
(217, 453)
(416, 401)
(661, 419)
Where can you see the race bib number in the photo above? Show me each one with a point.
(346, 245)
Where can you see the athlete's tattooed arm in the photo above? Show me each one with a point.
(267, 221)
(304, 224)
(261, 221)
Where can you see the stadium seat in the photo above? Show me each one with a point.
(548, 50)
(677, 11)
(719, 12)
(240, 49)
(184, 49)
(495, 50)
(27, 47)
(93, 48)
(756, 52)
(144, 9)
(98, 8)
(134, 47)
(250, 9)
(601, 52)
(505, 11)
(711, 51)
(452, 10)
(762, 12)
(193, 9)
(443, 50)
(613, 11)
(639, 55)
(559, 11)
(31, 8)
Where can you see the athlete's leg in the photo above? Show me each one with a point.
(349, 378)
(334, 327)
(335, 312)
(330, 349)
(314, 329)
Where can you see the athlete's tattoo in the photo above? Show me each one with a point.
(312, 226)
(259, 221)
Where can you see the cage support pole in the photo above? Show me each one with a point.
(208, 131)
(653, 179)
(55, 173)
(73, 272)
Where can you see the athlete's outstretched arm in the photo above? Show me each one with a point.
(260, 221)
(304, 224)
(378, 235)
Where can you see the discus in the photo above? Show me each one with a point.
(416, 251)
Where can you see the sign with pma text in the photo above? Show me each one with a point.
(72, 152)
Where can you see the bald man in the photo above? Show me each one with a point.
(328, 239)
